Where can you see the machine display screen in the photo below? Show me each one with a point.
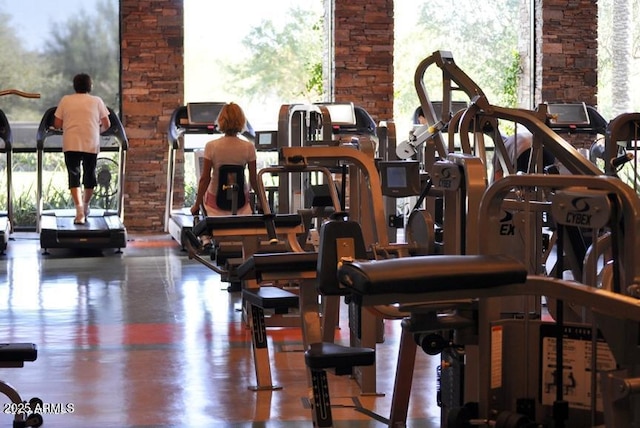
(203, 113)
(266, 140)
(400, 178)
(342, 114)
(396, 177)
(569, 114)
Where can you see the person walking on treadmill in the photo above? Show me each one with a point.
(82, 117)
(227, 150)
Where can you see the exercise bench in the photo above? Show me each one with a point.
(320, 357)
(338, 240)
(270, 268)
(426, 283)
(318, 325)
(15, 355)
(245, 235)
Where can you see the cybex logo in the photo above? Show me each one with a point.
(445, 178)
(582, 208)
(579, 215)
(506, 225)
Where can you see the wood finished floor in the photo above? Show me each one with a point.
(149, 338)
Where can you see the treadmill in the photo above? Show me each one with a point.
(190, 128)
(103, 227)
(6, 141)
(6, 147)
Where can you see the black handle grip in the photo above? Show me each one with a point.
(270, 224)
(423, 194)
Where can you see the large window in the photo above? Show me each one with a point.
(275, 54)
(259, 54)
(43, 44)
(490, 41)
(618, 57)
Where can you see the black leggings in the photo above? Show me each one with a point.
(73, 161)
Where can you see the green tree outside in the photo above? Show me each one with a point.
(285, 63)
(482, 39)
(85, 42)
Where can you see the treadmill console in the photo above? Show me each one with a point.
(203, 114)
(342, 114)
(568, 114)
(575, 118)
(198, 118)
(349, 119)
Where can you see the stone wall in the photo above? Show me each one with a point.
(567, 55)
(567, 33)
(363, 55)
(152, 87)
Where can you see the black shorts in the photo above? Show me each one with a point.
(81, 162)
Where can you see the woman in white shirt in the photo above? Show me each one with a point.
(82, 117)
(227, 150)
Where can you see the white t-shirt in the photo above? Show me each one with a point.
(81, 115)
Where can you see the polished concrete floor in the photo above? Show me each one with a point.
(149, 338)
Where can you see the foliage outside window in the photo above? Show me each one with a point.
(86, 40)
(618, 57)
(274, 57)
(486, 41)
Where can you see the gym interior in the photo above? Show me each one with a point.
(503, 293)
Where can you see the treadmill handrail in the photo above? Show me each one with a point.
(7, 136)
(46, 130)
(19, 93)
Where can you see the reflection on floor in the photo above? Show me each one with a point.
(149, 338)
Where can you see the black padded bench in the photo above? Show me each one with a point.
(233, 223)
(404, 280)
(245, 234)
(342, 359)
(234, 276)
(222, 251)
(427, 280)
(319, 356)
(15, 355)
(260, 265)
(275, 298)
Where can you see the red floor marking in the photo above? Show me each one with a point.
(159, 334)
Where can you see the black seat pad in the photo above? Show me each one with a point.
(423, 274)
(261, 263)
(18, 352)
(210, 224)
(327, 355)
(270, 298)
